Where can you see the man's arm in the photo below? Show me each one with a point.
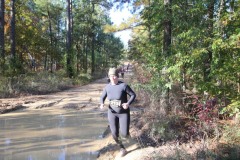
(132, 95)
(103, 97)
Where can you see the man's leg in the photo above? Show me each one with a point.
(114, 127)
(124, 121)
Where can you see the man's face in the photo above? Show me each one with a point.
(113, 79)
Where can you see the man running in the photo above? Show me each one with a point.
(118, 109)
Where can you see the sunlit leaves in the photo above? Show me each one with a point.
(193, 43)
(232, 108)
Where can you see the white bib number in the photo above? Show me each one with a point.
(115, 103)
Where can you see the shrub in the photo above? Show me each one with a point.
(36, 83)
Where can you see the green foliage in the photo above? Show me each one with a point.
(3, 66)
(204, 58)
(41, 36)
(32, 83)
(207, 58)
(13, 66)
(232, 109)
(164, 129)
(82, 79)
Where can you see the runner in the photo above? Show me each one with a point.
(122, 71)
(128, 66)
(118, 110)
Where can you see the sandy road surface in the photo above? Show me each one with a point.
(83, 98)
(80, 98)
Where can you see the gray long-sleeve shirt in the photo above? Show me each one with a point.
(120, 91)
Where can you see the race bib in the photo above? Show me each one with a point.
(115, 103)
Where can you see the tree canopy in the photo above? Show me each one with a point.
(192, 43)
(44, 40)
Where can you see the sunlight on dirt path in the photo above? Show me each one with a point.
(80, 98)
(64, 125)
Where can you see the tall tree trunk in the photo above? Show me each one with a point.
(84, 60)
(2, 49)
(51, 39)
(149, 26)
(167, 40)
(12, 33)
(167, 28)
(208, 60)
(69, 39)
(86, 52)
(78, 60)
(220, 12)
(2, 40)
(93, 42)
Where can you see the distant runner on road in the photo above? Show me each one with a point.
(128, 67)
(122, 70)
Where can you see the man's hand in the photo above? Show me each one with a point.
(101, 106)
(125, 105)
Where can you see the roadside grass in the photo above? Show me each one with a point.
(41, 83)
(169, 121)
(216, 140)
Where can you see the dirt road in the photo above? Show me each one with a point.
(71, 103)
(65, 125)
(79, 99)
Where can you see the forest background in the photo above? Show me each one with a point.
(185, 53)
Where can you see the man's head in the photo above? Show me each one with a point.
(113, 72)
(113, 76)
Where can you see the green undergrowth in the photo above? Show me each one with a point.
(40, 83)
(176, 119)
